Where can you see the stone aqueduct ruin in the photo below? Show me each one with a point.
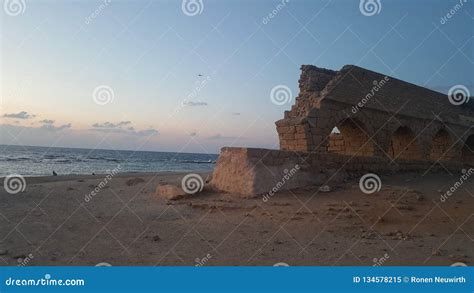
(350, 122)
(377, 116)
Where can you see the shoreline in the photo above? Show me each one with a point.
(35, 179)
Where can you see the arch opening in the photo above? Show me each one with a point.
(404, 145)
(442, 147)
(350, 138)
(467, 154)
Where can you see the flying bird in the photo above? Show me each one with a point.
(199, 75)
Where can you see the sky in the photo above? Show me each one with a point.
(194, 77)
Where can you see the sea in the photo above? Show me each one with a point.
(42, 161)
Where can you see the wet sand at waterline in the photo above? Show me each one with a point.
(405, 223)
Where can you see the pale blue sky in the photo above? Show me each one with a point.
(150, 53)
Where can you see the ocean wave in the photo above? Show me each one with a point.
(196, 162)
(16, 159)
(104, 159)
(52, 157)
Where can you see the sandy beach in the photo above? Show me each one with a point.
(56, 221)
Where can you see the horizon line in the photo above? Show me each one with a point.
(100, 149)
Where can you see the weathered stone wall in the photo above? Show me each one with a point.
(350, 141)
(336, 144)
(250, 172)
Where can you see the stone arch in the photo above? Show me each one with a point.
(404, 145)
(467, 152)
(351, 139)
(442, 146)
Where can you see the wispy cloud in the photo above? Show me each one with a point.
(47, 121)
(40, 130)
(51, 127)
(194, 104)
(220, 136)
(111, 125)
(20, 115)
(119, 127)
(147, 132)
